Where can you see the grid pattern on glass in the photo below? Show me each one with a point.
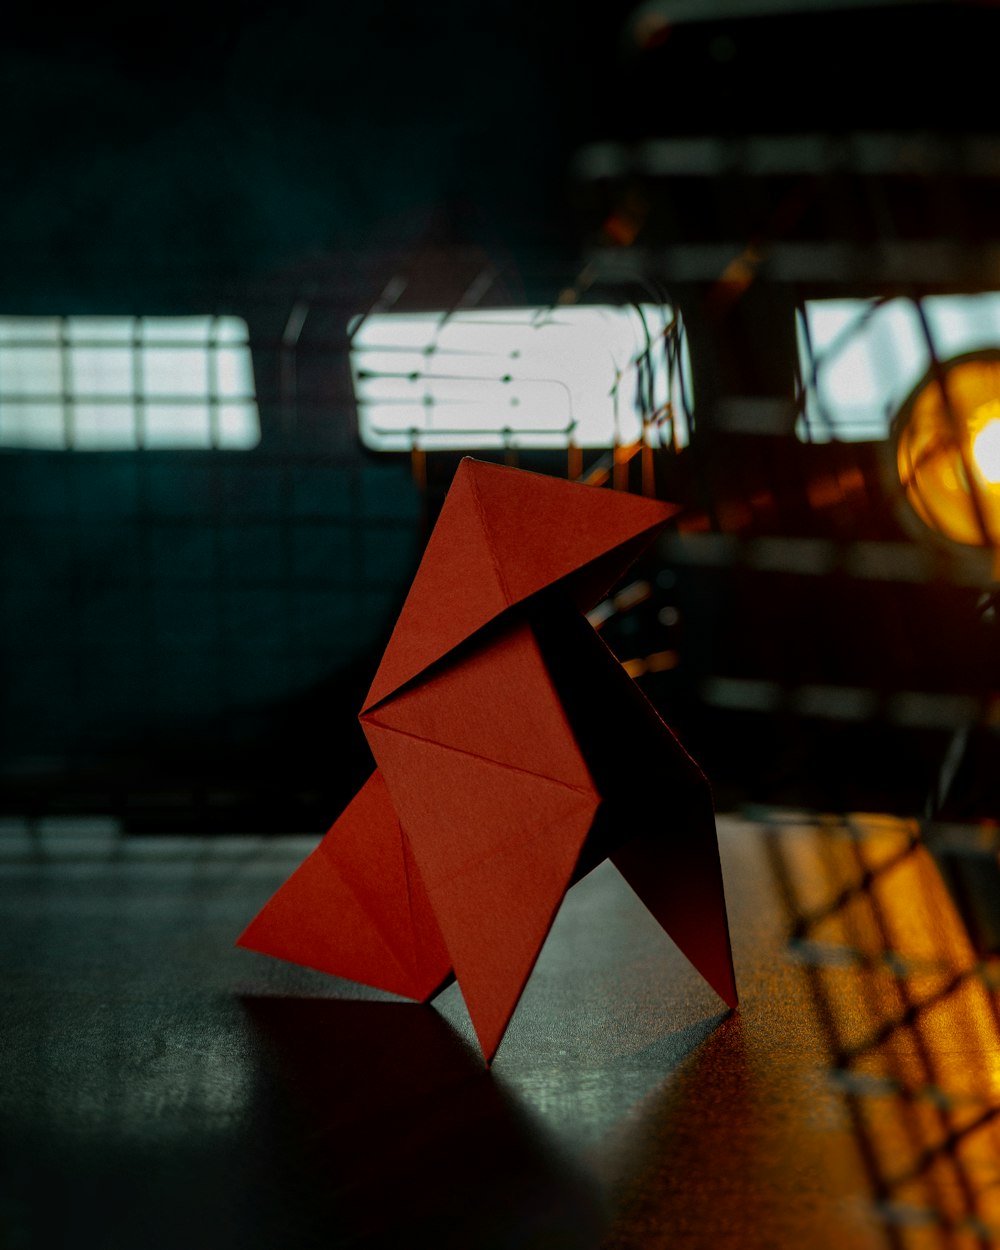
(121, 383)
(860, 359)
(575, 375)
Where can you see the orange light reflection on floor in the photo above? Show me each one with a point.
(912, 1020)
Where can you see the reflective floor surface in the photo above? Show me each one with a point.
(162, 1088)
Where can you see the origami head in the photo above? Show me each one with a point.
(507, 740)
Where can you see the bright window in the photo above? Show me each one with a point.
(590, 376)
(120, 383)
(860, 359)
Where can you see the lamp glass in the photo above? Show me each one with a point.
(948, 450)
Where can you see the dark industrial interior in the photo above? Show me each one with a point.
(189, 631)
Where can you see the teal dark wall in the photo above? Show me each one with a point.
(186, 637)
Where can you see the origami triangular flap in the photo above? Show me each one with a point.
(502, 536)
(543, 528)
(586, 586)
(454, 593)
(498, 702)
(496, 848)
(356, 907)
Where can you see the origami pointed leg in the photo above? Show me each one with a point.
(496, 849)
(496, 801)
(657, 823)
(678, 876)
(356, 908)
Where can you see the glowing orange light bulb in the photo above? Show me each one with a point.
(948, 450)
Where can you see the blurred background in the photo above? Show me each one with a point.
(269, 273)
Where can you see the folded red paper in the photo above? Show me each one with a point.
(514, 754)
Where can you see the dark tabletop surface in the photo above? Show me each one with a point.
(162, 1088)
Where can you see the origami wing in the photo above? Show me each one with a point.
(499, 781)
(357, 908)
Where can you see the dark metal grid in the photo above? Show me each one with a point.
(842, 845)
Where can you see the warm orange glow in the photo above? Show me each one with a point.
(658, 662)
(948, 453)
(913, 1020)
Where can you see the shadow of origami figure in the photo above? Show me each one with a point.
(514, 754)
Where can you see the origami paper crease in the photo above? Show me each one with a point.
(513, 754)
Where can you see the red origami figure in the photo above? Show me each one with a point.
(514, 754)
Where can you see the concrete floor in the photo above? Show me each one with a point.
(162, 1088)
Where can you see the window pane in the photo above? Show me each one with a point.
(860, 359)
(96, 331)
(177, 425)
(30, 370)
(103, 427)
(100, 371)
(238, 425)
(171, 371)
(176, 329)
(36, 331)
(540, 377)
(126, 382)
(32, 425)
(233, 372)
